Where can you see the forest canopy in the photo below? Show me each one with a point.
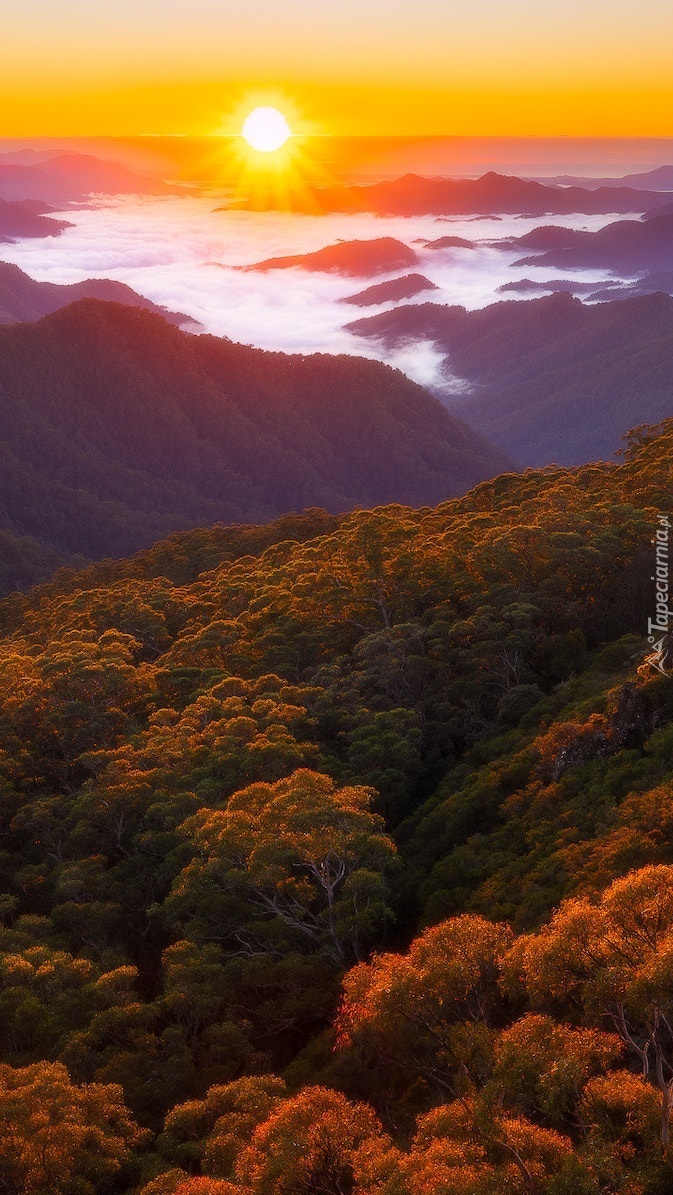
(336, 854)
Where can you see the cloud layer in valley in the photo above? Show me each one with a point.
(181, 253)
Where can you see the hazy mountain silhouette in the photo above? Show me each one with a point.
(27, 220)
(23, 300)
(116, 427)
(549, 237)
(658, 179)
(595, 292)
(570, 286)
(494, 193)
(647, 284)
(356, 258)
(71, 177)
(628, 246)
(449, 242)
(392, 291)
(553, 380)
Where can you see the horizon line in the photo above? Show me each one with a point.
(345, 136)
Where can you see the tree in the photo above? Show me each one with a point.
(212, 1132)
(428, 1011)
(613, 962)
(309, 1146)
(47, 995)
(177, 1182)
(541, 1067)
(59, 1139)
(622, 1110)
(459, 1151)
(299, 865)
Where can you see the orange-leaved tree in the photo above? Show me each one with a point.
(611, 961)
(458, 1150)
(57, 1138)
(429, 1010)
(317, 1141)
(177, 1182)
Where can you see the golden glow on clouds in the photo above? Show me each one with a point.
(494, 66)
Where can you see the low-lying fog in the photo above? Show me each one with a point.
(179, 252)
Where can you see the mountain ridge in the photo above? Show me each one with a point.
(551, 378)
(23, 299)
(492, 194)
(355, 258)
(27, 219)
(144, 429)
(630, 246)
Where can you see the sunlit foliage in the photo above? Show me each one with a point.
(337, 855)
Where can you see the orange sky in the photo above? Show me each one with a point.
(517, 67)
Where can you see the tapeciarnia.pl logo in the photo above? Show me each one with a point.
(657, 627)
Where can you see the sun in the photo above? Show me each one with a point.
(266, 130)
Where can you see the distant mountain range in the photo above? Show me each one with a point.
(27, 219)
(658, 179)
(116, 428)
(355, 258)
(626, 246)
(551, 380)
(595, 292)
(492, 194)
(23, 300)
(71, 177)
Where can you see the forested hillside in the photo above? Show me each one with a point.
(626, 246)
(549, 379)
(117, 429)
(286, 814)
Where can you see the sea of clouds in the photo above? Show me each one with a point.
(180, 252)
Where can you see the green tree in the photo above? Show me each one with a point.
(299, 864)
